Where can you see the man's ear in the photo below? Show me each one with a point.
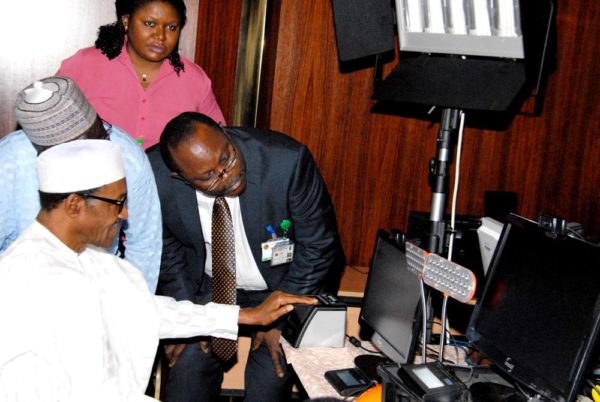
(177, 176)
(73, 205)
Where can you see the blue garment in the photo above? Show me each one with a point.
(20, 204)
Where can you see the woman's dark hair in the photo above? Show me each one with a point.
(112, 36)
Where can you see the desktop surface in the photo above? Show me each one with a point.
(310, 365)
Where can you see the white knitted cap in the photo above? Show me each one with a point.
(79, 165)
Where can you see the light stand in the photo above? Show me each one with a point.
(459, 55)
(466, 70)
(438, 176)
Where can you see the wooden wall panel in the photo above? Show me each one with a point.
(368, 160)
(216, 47)
(376, 164)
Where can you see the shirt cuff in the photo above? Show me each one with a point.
(226, 320)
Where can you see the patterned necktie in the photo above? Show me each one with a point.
(223, 270)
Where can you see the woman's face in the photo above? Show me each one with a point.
(152, 31)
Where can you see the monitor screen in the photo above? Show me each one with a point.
(391, 300)
(539, 314)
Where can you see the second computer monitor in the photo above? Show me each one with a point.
(391, 301)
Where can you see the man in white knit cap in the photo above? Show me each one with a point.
(54, 111)
(79, 324)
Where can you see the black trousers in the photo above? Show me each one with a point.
(197, 376)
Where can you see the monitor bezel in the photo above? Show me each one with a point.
(522, 373)
(381, 341)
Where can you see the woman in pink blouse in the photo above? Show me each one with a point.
(135, 77)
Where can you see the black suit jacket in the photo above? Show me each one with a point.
(283, 182)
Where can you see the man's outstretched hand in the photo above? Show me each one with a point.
(277, 304)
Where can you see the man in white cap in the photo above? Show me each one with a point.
(54, 111)
(79, 324)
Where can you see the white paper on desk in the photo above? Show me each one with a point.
(310, 364)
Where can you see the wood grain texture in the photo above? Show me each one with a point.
(375, 165)
(216, 47)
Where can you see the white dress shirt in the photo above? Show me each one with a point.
(248, 277)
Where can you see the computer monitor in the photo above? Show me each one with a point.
(390, 305)
(538, 318)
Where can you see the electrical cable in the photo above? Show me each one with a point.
(521, 390)
(454, 342)
(424, 322)
(575, 234)
(356, 342)
(452, 222)
(443, 332)
(470, 368)
(456, 182)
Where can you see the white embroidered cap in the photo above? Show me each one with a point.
(53, 110)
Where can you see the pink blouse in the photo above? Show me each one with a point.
(113, 89)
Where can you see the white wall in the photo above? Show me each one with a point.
(35, 35)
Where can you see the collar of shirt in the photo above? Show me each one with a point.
(248, 276)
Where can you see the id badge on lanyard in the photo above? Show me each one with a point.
(278, 250)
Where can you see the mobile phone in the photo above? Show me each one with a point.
(348, 382)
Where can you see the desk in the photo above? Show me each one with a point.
(310, 364)
(352, 285)
(353, 282)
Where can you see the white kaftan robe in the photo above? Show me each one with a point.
(84, 327)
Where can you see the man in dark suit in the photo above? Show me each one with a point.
(268, 179)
